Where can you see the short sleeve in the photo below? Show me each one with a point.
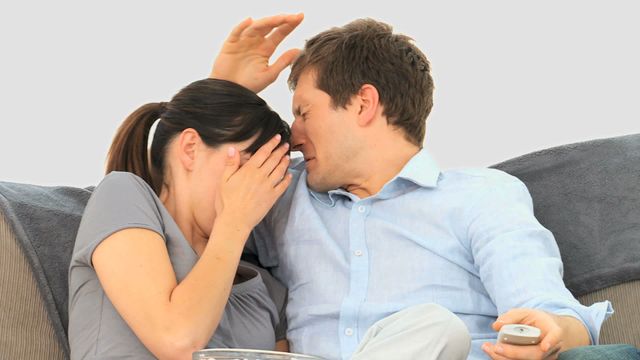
(122, 200)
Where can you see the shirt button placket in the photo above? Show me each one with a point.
(359, 272)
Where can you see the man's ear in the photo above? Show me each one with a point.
(368, 100)
(188, 142)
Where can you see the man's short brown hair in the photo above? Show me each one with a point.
(366, 51)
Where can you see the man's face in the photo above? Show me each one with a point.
(322, 133)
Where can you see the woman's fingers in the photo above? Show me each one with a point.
(253, 189)
(275, 158)
(232, 163)
(283, 185)
(260, 156)
(276, 176)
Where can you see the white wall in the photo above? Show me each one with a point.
(511, 76)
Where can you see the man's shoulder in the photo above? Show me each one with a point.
(475, 179)
(479, 174)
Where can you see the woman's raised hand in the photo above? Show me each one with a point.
(248, 192)
(244, 57)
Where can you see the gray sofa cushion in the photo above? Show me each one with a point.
(588, 195)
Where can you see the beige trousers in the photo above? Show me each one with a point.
(423, 332)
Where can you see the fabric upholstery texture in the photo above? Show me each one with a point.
(45, 220)
(601, 352)
(25, 328)
(624, 326)
(588, 195)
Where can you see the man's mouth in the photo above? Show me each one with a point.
(308, 161)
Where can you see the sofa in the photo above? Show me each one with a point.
(587, 194)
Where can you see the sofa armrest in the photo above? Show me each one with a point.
(27, 332)
(624, 326)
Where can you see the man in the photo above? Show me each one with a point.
(371, 227)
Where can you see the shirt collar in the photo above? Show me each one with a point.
(329, 198)
(421, 170)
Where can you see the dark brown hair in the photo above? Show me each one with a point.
(220, 111)
(366, 51)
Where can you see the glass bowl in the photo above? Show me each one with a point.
(246, 354)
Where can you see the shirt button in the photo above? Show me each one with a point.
(357, 253)
(348, 331)
(361, 208)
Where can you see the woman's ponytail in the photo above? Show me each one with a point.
(129, 149)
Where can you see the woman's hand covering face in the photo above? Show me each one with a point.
(248, 192)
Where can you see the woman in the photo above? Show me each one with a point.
(159, 244)
(156, 268)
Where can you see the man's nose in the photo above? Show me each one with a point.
(297, 136)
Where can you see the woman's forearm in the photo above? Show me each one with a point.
(195, 306)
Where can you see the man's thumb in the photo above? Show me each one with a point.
(513, 316)
(232, 162)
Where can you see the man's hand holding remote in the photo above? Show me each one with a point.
(557, 333)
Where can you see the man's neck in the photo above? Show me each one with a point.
(383, 162)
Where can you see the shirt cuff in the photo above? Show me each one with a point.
(591, 316)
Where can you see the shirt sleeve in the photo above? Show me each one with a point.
(264, 238)
(518, 259)
(122, 200)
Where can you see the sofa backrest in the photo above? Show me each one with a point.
(588, 195)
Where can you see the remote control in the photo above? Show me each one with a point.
(518, 334)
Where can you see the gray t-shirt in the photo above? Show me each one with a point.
(123, 200)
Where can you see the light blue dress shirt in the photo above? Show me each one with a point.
(464, 239)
